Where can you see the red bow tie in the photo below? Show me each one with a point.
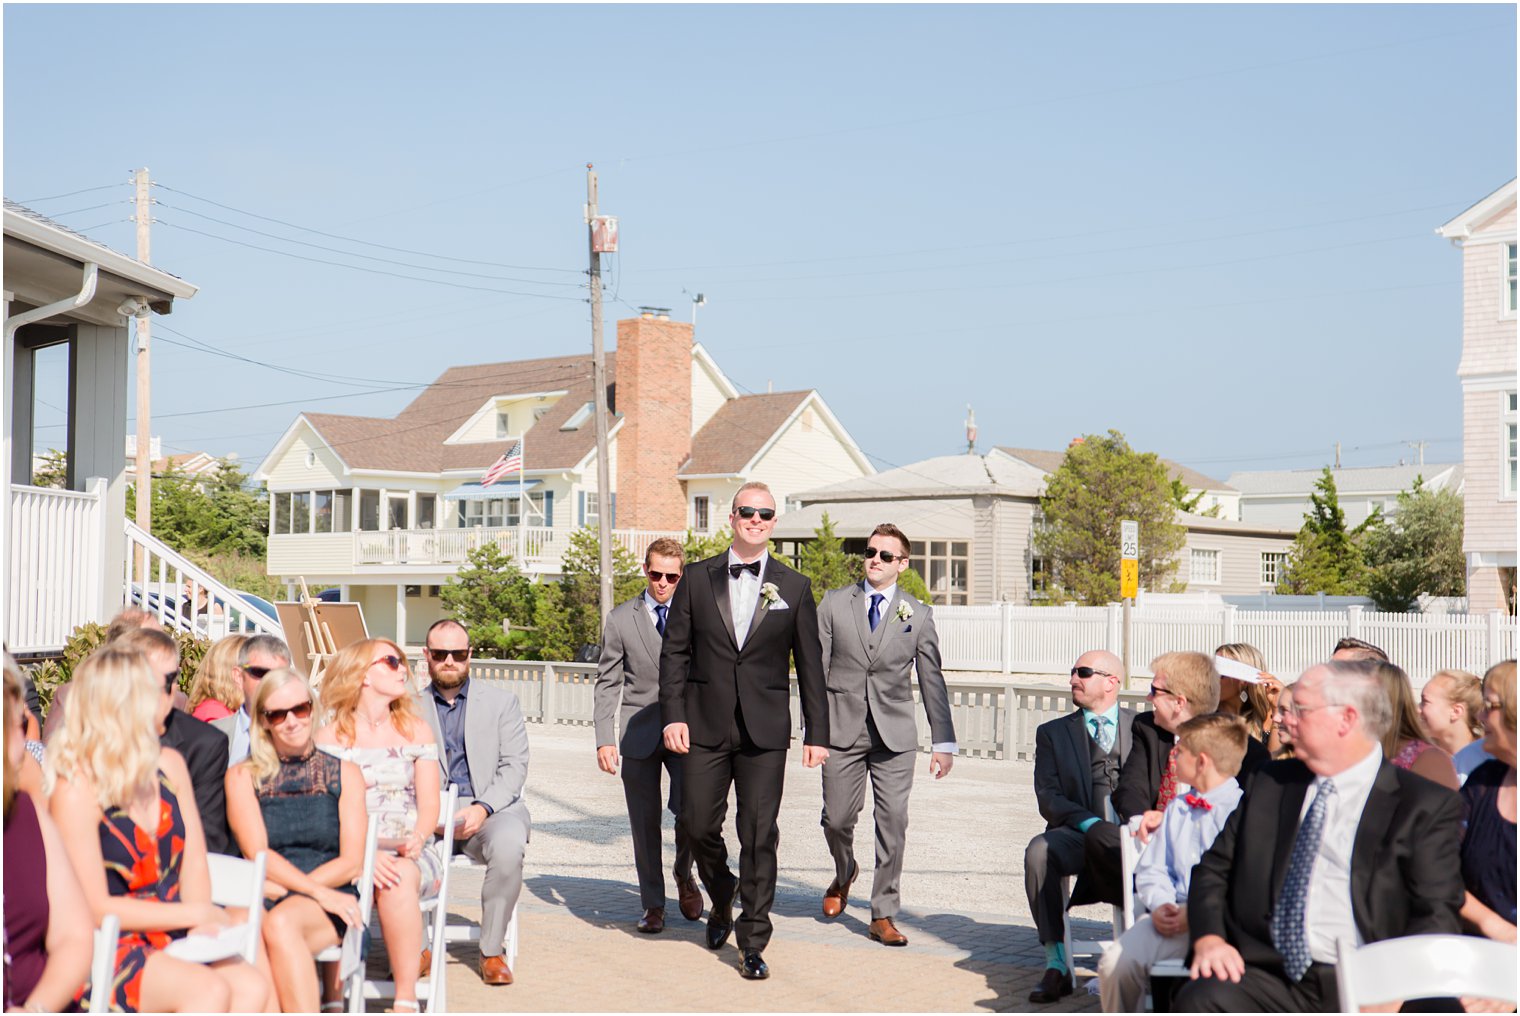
(1194, 801)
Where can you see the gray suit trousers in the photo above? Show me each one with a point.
(641, 789)
(499, 845)
(1050, 856)
(844, 791)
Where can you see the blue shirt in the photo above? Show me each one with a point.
(451, 721)
(1166, 867)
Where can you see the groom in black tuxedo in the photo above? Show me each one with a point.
(736, 622)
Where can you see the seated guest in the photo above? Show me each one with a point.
(1209, 751)
(1350, 648)
(1370, 852)
(1076, 767)
(129, 620)
(29, 768)
(305, 809)
(1404, 745)
(256, 657)
(374, 723)
(1235, 695)
(1283, 748)
(216, 690)
(130, 827)
(1451, 715)
(47, 922)
(1488, 846)
(204, 750)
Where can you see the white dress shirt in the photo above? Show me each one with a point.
(1328, 917)
(650, 603)
(744, 595)
(242, 737)
(944, 747)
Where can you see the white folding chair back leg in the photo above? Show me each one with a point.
(236, 882)
(1425, 966)
(103, 964)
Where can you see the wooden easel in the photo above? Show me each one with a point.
(320, 645)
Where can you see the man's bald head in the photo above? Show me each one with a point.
(1099, 689)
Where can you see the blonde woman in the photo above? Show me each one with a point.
(305, 809)
(1451, 714)
(374, 723)
(124, 807)
(1404, 744)
(1254, 703)
(217, 690)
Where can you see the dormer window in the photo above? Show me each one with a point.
(503, 424)
(578, 417)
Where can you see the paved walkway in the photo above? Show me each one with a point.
(973, 947)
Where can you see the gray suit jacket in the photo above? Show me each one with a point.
(228, 726)
(1063, 768)
(629, 674)
(861, 666)
(495, 743)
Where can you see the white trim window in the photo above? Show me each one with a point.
(1509, 297)
(700, 513)
(1203, 567)
(1510, 484)
(1272, 564)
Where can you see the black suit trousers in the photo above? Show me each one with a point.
(1262, 990)
(756, 774)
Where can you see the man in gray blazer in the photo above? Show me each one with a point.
(258, 656)
(874, 635)
(485, 755)
(1077, 758)
(628, 676)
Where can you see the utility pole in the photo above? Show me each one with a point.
(1419, 448)
(599, 383)
(143, 217)
(1337, 455)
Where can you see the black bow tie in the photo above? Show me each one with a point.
(753, 568)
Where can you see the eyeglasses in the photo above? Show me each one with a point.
(1155, 691)
(171, 679)
(1295, 710)
(749, 512)
(439, 655)
(275, 717)
(886, 556)
(257, 673)
(393, 662)
(1085, 672)
(671, 577)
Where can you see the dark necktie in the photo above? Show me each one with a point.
(753, 568)
(1289, 936)
(660, 610)
(1102, 734)
(874, 614)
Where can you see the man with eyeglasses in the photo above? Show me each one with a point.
(1334, 847)
(485, 756)
(259, 655)
(1077, 759)
(735, 622)
(628, 688)
(874, 637)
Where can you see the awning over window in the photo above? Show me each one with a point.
(503, 488)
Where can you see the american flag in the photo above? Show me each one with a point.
(511, 462)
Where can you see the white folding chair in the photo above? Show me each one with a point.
(1085, 947)
(236, 882)
(1424, 966)
(103, 964)
(431, 989)
(1130, 850)
(353, 984)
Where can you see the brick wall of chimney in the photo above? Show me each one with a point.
(654, 395)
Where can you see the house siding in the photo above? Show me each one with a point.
(808, 455)
(706, 397)
(292, 472)
(1239, 560)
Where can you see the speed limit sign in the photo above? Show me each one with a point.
(1129, 540)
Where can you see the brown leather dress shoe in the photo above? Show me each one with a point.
(885, 932)
(653, 921)
(838, 895)
(494, 970)
(690, 896)
(425, 965)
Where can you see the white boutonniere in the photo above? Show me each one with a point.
(904, 610)
(769, 594)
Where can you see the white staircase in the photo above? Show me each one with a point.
(166, 583)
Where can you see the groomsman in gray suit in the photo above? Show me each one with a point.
(874, 635)
(628, 676)
(485, 756)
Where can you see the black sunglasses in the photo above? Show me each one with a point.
(749, 512)
(257, 673)
(1085, 672)
(171, 679)
(275, 717)
(671, 577)
(393, 662)
(886, 555)
(439, 655)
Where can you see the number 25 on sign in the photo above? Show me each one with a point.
(1129, 563)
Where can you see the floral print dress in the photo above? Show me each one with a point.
(390, 791)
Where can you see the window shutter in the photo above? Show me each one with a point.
(549, 508)
(580, 506)
(612, 511)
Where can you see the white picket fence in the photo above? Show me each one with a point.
(1007, 639)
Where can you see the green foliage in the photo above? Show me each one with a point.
(52, 471)
(487, 590)
(215, 514)
(240, 571)
(569, 613)
(699, 547)
(1418, 550)
(1326, 557)
(88, 637)
(1180, 496)
(912, 583)
(823, 560)
(1099, 483)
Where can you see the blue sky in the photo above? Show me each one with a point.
(1209, 227)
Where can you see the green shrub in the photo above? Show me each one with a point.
(49, 676)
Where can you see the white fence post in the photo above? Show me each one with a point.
(550, 705)
(1353, 620)
(1227, 628)
(1495, 644)
(106, 599)
(1005, 635)
(1010, 721)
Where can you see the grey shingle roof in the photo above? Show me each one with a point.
(1051, 461)
(1369, 479)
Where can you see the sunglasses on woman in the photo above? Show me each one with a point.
(275, 717)
(393, 662)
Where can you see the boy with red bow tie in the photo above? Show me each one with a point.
(1209, 752)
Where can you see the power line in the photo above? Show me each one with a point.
(91, 208)
(56, 197)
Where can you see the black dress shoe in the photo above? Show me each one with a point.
(753, 967)
(720, 924)
(1055, 985)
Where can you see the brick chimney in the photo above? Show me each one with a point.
(653, 377)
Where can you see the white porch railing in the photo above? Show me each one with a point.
(54, 577)
(166, 583)
(533, 547)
